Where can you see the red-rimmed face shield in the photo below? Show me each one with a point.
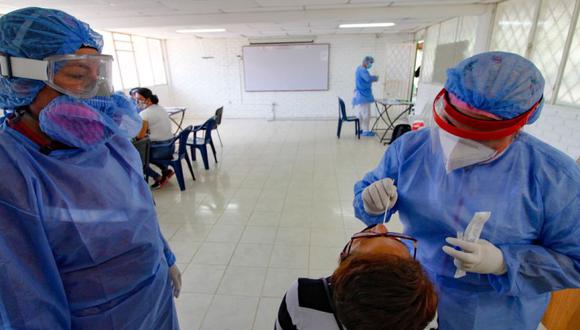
(459, 124)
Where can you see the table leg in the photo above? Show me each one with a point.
(179, 128)
(377, 120)
(392, 125)
(389, 123)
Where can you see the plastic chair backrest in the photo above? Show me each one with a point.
(218, 116)
(208, 126)
(341, 109)
(182, 137)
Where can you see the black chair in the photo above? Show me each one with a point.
(143, 146)
(181, 154)
(218, 121)
(202, 142)
(343, 117)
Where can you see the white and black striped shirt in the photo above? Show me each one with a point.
(306, 307)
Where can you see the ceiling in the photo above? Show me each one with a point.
(256, 18)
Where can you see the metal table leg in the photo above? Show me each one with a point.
(380, 117)
(393, 121)
(179, 128)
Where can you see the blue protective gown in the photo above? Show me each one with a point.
(80, 245)
(532, 191)
(363, 93)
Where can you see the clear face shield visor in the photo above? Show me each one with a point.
(462, 137)
(459, 124)
(81, 76)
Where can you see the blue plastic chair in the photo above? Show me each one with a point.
(202, 142)
(175, 161)
(343, 117)
(218, 121)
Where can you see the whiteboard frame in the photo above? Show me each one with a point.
(288, 90)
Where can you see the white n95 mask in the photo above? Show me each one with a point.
(459, 152)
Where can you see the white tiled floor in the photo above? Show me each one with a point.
(277, 206)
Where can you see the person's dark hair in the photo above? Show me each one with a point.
(133, 90)
(147, 94)
(381, 291)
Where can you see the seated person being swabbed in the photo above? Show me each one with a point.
(377, 285)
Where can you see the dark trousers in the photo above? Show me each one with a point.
(159, 150)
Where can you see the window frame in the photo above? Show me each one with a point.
(127, 38)
(565, 52)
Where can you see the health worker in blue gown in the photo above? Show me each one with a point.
(80, 245)
(363, 94)
(476, 158)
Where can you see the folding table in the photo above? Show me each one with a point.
(387, 106)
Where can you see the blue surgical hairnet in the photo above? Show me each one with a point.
(37, 33)
(368, 59)
(504, 84)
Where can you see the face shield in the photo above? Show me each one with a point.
(81, 76)
(455, 122)
(463, 137)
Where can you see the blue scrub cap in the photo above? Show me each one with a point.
(503, 84)
(37, 33)
(368, 59)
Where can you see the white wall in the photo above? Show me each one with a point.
(206, 84)
(560, 127)
(163, 92)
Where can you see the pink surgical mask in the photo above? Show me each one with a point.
(74, 123)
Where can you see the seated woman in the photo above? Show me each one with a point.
(377, 285)
(157, 122)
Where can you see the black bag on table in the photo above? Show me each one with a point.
(399, 130)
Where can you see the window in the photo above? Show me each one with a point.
(513, 25)
(109, 49)
(550, 39)
(546, 32)
(429, 47)
(448, 31)
(569, 89)
(156, 52)
(143, 61)
(453, 31)
(139, 61)
(129, 75)
(467, 32)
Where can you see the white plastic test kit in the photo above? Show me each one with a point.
(472, 233)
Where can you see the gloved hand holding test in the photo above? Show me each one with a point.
(471, 234)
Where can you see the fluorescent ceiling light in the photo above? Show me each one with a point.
(365, 25)
(200, 30)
